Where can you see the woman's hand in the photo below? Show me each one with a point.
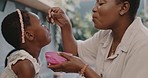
(57, 15)
(74, 64)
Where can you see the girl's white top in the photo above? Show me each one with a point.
(13, 59)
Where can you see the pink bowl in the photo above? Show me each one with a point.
(54, 58)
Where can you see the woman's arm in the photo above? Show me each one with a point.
(89, 73)
(57, 16)
(74, 64)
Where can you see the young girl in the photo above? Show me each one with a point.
(23, 30)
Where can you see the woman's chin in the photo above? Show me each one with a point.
(98, 27)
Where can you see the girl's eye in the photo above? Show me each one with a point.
(42, 25)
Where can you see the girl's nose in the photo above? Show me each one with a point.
(46, 27)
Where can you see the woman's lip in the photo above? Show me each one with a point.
(93, 18)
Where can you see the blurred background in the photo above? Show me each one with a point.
(79, 12)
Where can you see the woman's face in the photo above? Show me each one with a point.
(105, 14)
(41, 33)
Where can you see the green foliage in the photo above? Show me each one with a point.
(82, 27)
(143, 13)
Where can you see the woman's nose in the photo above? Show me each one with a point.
(94, 9)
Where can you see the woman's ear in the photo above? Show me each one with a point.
(124, 8)
(29, 35)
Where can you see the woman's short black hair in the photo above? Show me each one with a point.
(134, 5)
(11, 27)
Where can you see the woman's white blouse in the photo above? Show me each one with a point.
(130, 58)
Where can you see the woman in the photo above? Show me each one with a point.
(118, 50)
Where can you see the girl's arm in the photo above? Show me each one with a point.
(24, 69)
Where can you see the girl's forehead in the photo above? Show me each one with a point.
(34, 18)
(35, 15)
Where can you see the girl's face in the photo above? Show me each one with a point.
(41, 33)
(105, 14)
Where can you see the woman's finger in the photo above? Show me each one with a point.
(58, 67)
(49, 13)
(56, 15)
(50, 20)
(49, 17)
(57, 10)
(68, 56)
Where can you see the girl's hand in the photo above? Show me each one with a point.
(57, 15)
(74, 64)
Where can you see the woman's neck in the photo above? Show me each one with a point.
(120, 28)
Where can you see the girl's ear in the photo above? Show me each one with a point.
(124, 8)
(29, 35)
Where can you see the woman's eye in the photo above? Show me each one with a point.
(101, 4)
